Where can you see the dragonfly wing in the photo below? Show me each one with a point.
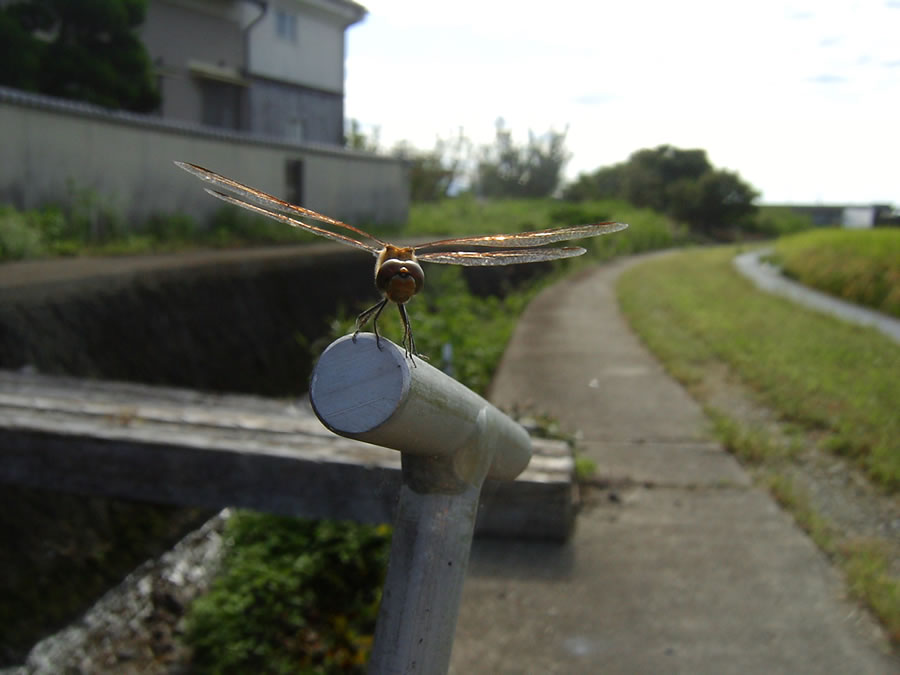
(483, 258)
(535, 238)
(268, 202)
(293, 222)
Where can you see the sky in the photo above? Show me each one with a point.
(801, 98)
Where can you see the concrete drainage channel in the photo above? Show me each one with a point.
(135, 627)
(769, 278)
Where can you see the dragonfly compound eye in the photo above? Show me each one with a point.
(399, 280)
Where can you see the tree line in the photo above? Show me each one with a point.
(680, 183)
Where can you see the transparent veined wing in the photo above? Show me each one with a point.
(484, 258)
(265, 204)
(534, 238)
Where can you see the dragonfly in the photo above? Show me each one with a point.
(398, 274)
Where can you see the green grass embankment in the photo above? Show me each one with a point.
(862, 266)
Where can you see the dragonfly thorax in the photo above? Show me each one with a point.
(398, 278)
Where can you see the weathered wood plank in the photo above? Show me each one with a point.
(190, 448)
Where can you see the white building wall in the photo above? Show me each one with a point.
(858, 217)
(179, 32)
(312, 55)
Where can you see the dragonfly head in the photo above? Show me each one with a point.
(399, 280)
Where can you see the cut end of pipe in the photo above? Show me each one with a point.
(357, 385)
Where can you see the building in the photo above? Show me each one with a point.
(253, 90)
(269, 67)
(850, 216)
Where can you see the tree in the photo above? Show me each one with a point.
(433, 173)
(87, 50)
(356, 139)
(507, 170)
(650, 172)
(605, 183)
(681, 183)
(717, 201)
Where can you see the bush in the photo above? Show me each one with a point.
(233, 226)
(293, 596)
(775, 221)
(171, 227)
(20, 237)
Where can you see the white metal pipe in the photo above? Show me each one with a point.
(451, 440)
(379, 396)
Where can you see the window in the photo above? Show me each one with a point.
(286, 25)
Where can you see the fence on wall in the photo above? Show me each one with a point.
(50, 147)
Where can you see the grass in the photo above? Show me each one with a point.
(752, 445)
(862, 266)
(866, 562)
(841, 380)
(467, 215)
(829, 383)
(88, 226)
(476, 329)
(794, 499)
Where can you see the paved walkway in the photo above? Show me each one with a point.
(685, 568)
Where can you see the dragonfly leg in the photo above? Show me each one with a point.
(363, 319)
(409, 341)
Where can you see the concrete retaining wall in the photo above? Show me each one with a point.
(240, 321)
(47, 144)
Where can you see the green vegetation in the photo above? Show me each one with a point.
(866, 561)
(466, 215)
(499, 170)
(293, 596)
(476, 328)
(832, 386)
(682, 183)
(862, 266)
(89, 225)
(505, 169)
(695, 311)
(88, 50)
(776, 221)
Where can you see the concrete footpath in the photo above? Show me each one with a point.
(685, 567)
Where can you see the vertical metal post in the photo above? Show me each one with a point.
(422, 591)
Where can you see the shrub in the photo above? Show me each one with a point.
(19, 236)
(293, 596)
